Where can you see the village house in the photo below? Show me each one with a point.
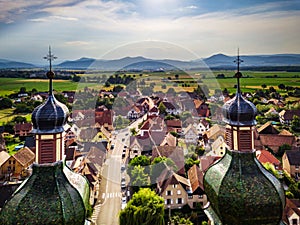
(171, 108)
(202, 126)
(218, 147)
(174, 189)
(174, 125)
(142, 145)
(91, 169)
(291, 213)
(265, 156)
(105, 118)
(286, 116)
(291, 163)
(191, 135)
(197, 196)
(153, 112)
(213, 133)
(135, 112)
(202, 108)
(169, 140)
(22, 129)
(267, 136)
(16, 166)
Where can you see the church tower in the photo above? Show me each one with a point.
(239, 189)
(49, 123)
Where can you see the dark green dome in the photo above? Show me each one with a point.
(45, 198)
(242, 192)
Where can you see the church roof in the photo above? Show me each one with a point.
(241, 191)
(46, 197)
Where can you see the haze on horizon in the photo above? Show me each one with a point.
(193, 28)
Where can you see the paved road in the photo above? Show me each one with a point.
(107, 209)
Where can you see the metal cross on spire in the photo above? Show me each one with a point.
(50, 73)
(238, 61)
(238, 74)
(50, 57)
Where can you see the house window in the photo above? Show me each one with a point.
(190, 196)
(294, 222)
(169, 201)
(200, 196)
(174, 185)
(297, 167)
(179, 192)
(169, 193)
(179, 201)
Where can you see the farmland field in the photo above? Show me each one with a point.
(252, 80)
(13, 85)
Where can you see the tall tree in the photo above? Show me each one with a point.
(145, 208)
(138, 177)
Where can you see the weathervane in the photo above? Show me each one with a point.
(238, 74)
(50, 73)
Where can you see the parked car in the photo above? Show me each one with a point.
(123, 167)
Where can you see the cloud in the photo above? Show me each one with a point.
(102, 25)
(77, 43)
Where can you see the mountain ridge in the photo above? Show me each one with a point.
(139, 62)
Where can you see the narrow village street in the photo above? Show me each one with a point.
(109, 203)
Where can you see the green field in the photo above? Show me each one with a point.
(13, 85)
(252, 81)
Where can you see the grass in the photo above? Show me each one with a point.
(7, 115)
(12, 85)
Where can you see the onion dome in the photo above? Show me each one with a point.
(239, 111)
(242, 192)
(46, 197)
(50, 117)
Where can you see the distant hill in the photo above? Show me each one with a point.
(9, 64)
(221, 60)
(218, 61)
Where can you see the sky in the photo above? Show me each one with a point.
(175, 29)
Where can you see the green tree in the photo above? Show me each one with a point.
(145, 208)
(138, 177)
(159, 164)
(5, 103)
(133, 132)
(141, 160)
(281, 86)
(295, 124)
(23, 90)
(282, 149)
(171, 91)
(76, 78)
(19, 119)
(162, 108)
